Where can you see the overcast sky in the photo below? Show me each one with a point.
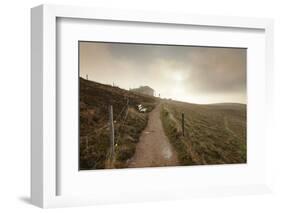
(185, 73)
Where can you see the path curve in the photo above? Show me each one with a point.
(153, 148)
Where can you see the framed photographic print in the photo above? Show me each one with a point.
(149, 106)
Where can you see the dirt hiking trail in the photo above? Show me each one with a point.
(153, 148)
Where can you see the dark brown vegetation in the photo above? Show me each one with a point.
(94, 143)
(214, 134)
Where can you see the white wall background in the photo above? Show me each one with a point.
(15, 105)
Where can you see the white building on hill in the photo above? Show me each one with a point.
(146, 90)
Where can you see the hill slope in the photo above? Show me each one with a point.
(94, 145)
(214, 134)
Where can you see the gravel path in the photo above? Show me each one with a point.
(154, 148)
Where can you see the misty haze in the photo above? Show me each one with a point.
(147, 105)
(192, 74)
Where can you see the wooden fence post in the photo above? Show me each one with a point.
(111, 131)
(182, 118)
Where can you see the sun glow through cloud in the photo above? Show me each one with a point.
(177, 76)
(184, 73)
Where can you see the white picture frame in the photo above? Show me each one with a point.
(44, 154)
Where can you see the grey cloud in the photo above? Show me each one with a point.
(205, 71)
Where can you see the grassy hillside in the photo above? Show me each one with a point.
(94, 143)
(214, 134)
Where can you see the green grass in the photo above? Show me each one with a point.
(174, 133)
(128, 136)
(94, 115)
(214, 134)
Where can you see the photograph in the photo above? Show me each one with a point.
(161, 105)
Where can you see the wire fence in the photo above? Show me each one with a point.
(122, 124)
(118, 124)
